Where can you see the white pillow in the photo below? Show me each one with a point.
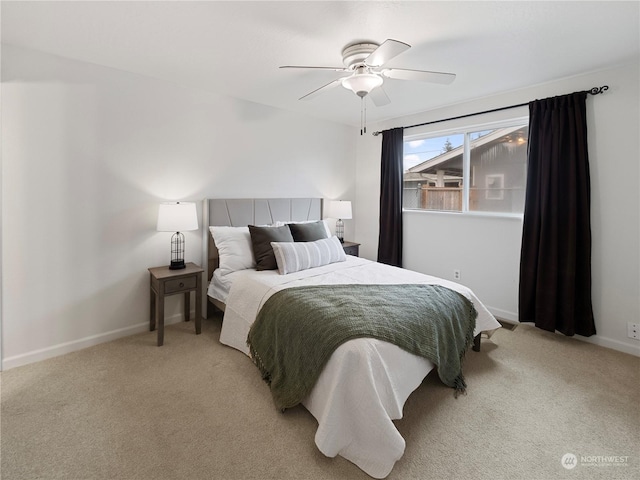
(326, 225)
(234, 248)
(295, 256)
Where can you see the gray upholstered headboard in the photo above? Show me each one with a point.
(251, 211)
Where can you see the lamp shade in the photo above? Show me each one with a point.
(340, 209)
(177, 217)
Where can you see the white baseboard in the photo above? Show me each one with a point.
(595, 339)
(503, 315)
(613, 344)
(68, 347)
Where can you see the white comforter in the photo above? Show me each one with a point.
(366, 381)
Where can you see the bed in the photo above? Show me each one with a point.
(366, 381)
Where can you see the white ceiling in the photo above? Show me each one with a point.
(235, 48)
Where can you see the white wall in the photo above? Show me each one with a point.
(89, 153)
(487, 250)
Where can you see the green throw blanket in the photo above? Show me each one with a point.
(298, 329)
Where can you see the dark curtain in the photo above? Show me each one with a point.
(391, 176)
(555, 263)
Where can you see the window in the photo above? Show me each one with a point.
(474, 170)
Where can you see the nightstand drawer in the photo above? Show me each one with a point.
(351, 251)
(179, 285)
(351, 248)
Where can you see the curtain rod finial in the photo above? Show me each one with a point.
(598, 90)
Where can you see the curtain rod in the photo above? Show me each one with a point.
(593, 91)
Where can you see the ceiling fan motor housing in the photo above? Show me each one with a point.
(355, 55)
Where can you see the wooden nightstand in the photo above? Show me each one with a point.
(351, 248)
(165, 282)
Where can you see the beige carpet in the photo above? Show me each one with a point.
(194, 409)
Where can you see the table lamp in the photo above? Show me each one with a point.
(177, 217)
(340, 209)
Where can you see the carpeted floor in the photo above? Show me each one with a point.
(195, 409)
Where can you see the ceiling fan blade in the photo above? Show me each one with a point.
(335, 69)
(385, 52)
(419, 75)
(322, 89)
(379, 97)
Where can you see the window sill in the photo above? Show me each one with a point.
(514, 216)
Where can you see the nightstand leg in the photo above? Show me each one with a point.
(160, 310)
(152, 310)
(187, 306)
(198, 306)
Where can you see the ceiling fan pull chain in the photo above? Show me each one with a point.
(361, 114)
(364, 102)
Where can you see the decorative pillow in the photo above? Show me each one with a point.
(293, 257)
(234, 248)
(308, 232)
(326, 225)
(261, 238)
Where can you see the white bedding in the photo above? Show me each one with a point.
(220, 285)
(366, 381)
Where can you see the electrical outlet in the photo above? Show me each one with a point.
(456, 274)
(633, 330)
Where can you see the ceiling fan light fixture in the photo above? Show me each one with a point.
(362, 83)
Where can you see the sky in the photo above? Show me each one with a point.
(418, 151)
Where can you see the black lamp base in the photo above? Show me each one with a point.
(177, 265)
(340, 230)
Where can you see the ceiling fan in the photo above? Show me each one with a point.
(365, 64)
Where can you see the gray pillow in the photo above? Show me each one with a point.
(261, 238)
(308, 232)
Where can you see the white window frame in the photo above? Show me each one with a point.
(466, 131)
